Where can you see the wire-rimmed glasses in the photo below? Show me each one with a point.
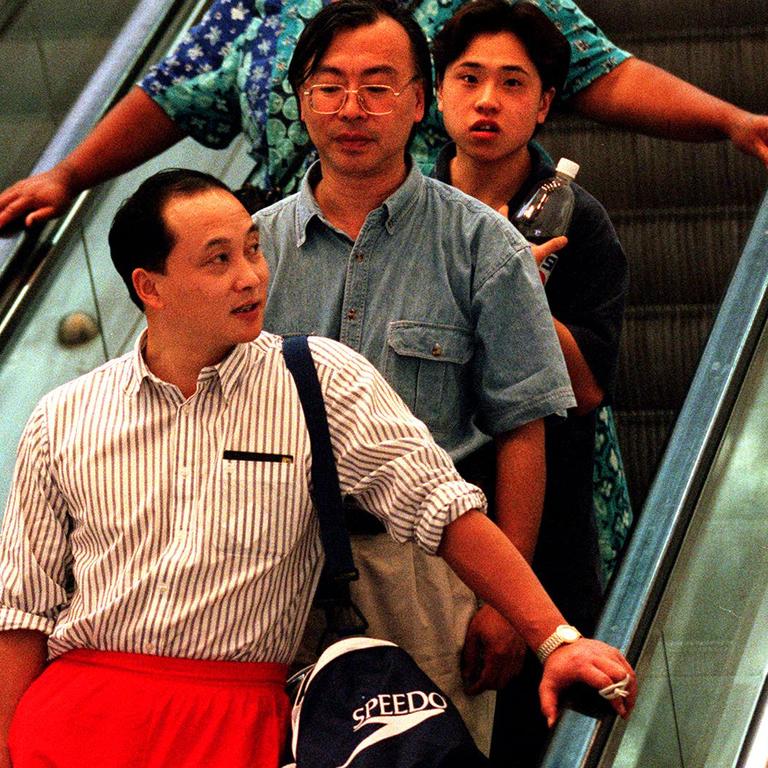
(330, 98)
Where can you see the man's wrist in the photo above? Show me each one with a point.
(69, 177)
(564, 634)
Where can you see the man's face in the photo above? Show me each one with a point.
(212, 293)
(353, 143)
(491, 98)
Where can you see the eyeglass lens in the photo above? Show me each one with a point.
(373, 99)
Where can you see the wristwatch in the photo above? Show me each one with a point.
(565, 633)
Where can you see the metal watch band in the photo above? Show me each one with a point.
(555, 640)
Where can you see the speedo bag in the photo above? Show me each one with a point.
(366, 704)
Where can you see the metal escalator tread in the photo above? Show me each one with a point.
(652, 17)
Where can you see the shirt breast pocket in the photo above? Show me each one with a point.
(258, 517)
(427, 365)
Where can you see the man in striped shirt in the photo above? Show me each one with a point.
(159, 546)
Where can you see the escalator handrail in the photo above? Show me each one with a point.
(634, 597)
(112, 78)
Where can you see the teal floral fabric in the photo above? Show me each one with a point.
(613, 510)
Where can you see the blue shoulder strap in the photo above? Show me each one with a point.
(339, 569)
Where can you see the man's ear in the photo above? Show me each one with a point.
(145, 285)
(547, 97)
(439, 94)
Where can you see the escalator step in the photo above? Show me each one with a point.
(37, 131)
(651, 16)
(626, 171)
(682, 256)
(46, 79)
(660, 349)
(643, 436)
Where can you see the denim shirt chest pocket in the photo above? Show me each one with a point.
(427, 365)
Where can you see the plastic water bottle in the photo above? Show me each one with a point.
(547, 213)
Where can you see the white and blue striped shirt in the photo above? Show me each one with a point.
(142, 522)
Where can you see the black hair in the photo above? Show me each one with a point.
(546, 46)
(139, 237)
(321, 30)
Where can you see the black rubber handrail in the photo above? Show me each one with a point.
(631, 605)
(22, 256)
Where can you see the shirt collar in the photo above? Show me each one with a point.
(242, 358)
(137, 371)
(541, 168)
(306, 205)
(442, 169)
(404, 197)
(395, 206)
(224, 375)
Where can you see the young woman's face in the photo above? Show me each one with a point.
(491, 98)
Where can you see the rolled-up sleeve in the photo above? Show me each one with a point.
(34, 550)
(592, 53)
(386, 458)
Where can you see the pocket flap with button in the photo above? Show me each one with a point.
(444, 343)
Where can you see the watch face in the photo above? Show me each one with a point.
(568, 634)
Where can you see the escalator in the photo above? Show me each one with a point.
(47, 51)
(689, 606)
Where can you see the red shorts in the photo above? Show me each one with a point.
(94, 709)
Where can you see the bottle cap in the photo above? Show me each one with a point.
(567, 167)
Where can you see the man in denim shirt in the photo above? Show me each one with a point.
(441, 294)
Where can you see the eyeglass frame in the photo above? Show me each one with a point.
(356, 91)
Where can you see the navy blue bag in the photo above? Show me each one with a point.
(366, 704)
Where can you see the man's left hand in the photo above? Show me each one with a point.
(493, 652)
(586, 661)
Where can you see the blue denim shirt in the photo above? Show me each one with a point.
(438, 291)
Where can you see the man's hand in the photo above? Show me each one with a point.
(37, 198)
(585, 661)
(493, 652)
(749, 133)
(540, 252)
(22, 658)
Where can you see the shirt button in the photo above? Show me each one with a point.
(351, 314)
(437, 350)
(359, 257)
(151, 647)
(184, 472)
